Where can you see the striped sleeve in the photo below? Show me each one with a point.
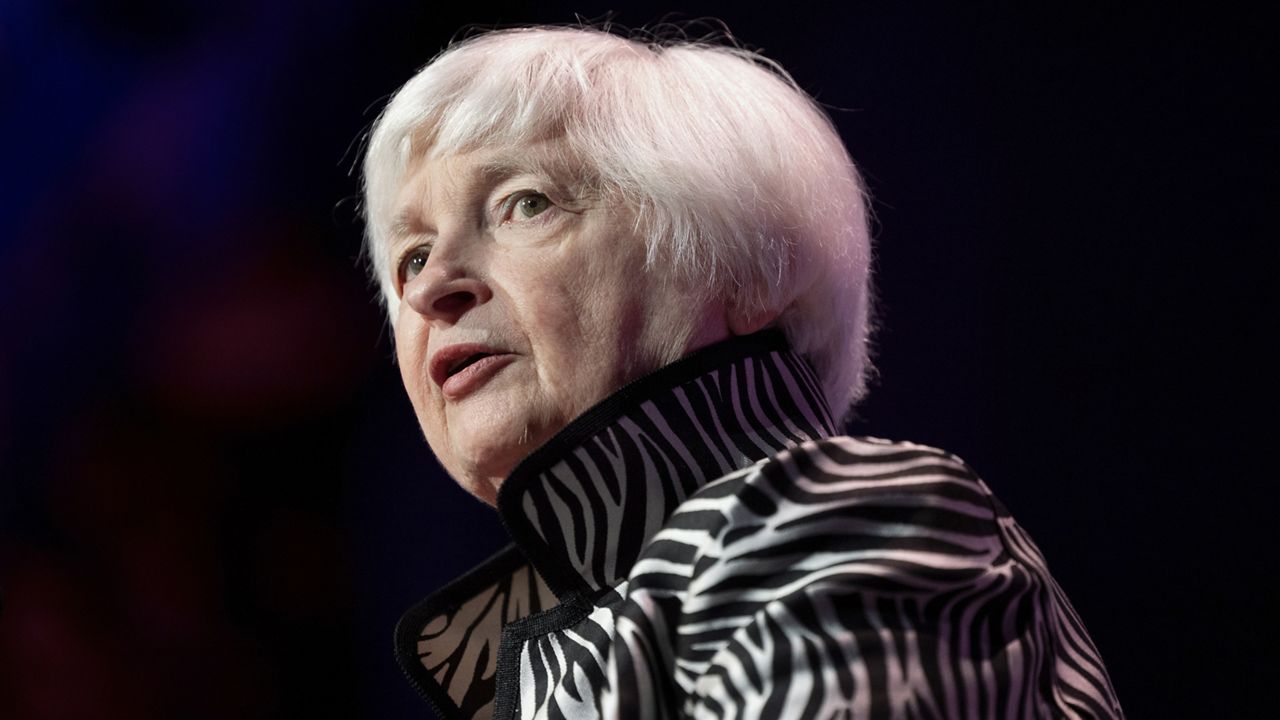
(850, 578)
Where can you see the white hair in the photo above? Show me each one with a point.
(740, 182)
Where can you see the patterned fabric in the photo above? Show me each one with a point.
(702, 544)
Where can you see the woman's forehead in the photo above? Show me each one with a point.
(497, 155)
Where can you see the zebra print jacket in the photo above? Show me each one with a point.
(702, 544)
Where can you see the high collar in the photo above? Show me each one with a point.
(582, 506)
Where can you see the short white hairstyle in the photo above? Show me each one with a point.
(740, 183)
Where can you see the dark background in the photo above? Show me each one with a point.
(215, 501)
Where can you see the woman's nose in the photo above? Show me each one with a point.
(444, 292)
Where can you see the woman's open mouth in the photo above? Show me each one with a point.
(461, 369)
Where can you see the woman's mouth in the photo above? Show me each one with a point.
(473, 373)
(459, 370)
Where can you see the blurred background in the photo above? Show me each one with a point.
(214, 499)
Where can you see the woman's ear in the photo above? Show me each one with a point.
(745, 322)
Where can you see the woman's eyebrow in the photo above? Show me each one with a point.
(495, 170)
(403, 224)
(478, 181)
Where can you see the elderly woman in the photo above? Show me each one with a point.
(629, 290)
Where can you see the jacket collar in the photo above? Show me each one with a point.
(582, 506)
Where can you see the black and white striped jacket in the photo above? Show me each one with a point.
(702, 544)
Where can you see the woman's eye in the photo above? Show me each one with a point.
(412, 263)
(531, 205)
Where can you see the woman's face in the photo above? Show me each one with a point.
(524, 301)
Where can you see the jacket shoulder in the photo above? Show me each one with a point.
(839, 506)
(881, 559)
(864, 462)
(821, 480)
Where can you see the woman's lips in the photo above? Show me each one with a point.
(470, 378)
(451, 358)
